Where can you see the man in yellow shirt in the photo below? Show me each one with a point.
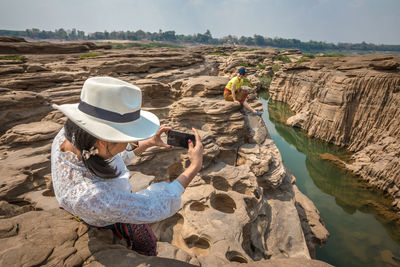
(232, 92)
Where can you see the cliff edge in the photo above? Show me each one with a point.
(352, 102)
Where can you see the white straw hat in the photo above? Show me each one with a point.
(110, 110)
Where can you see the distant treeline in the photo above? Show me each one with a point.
(199, 38)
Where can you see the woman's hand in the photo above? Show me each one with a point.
(196, 161)
(196, 152)
(156, 139)
(153, 141)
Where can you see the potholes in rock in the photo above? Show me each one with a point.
(198, 206)
(227, 156)
(236, 257)
(220, 183)
(197, 244)
(174, 170)
(241, 188)
(169, 226)
(223, 203)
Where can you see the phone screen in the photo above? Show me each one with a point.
(178, 138)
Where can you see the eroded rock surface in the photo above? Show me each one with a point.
(15, 45)
(242, 207)
(352, 102)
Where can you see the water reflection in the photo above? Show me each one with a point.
(364, 230)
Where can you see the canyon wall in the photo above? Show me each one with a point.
(352, 102)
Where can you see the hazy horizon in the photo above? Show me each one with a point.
(330, 21)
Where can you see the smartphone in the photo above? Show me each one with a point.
(178, 138)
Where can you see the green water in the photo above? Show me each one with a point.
(362, 233)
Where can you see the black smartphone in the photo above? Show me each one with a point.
(178, 138)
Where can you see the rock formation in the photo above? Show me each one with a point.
(352, 102)
(242, 207)
(15, 45)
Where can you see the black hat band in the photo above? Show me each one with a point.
(108, 115)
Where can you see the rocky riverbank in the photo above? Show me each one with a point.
(243, 206)
(352, 102)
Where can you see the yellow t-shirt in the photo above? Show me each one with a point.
(235, 80)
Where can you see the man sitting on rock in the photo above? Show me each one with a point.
(234, 93)
(88, 156)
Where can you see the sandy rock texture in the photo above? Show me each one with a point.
(16, 45)
(243, 207)
(352, 102)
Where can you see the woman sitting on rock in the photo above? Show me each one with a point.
(234, 93)
(88, 156)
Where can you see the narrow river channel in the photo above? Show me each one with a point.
(362, 229)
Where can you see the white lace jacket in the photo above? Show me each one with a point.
(102, 202)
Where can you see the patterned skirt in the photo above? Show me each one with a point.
(139, 237)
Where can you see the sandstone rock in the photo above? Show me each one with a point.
(282, 263)
(166, 250)
(38, 80)
(9, 209)
(384, 65)
(224, 196)
(11, 69)
(258, 130)
(41, 199)
(62, 94)
(144, 62)
(11, 39)
(291, 51)
(233, 211)
(298, 119)
(290, 242)
(214, 115)
(32, 132)
(205, 68)
(94, 46)
(140, 181)
(201, 86)
(127, 258)
(54, 238)
(20, 107)
(103, 46)
(313, 228)
(345, 102)
(378, 165)
(251, 58)
(42, 48)
(24, 170)
(265, 162)
(36, 68)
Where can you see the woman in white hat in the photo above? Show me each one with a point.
(88, 156)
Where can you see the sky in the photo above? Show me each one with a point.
(372, 21)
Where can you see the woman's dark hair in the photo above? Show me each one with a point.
(82, 140)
